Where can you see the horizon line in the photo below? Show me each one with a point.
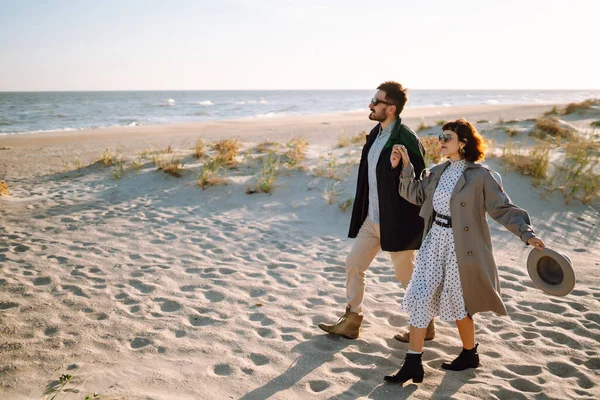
(279, 90)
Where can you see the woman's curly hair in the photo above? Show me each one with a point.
(475, 146)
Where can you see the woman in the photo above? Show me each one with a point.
(455, 274)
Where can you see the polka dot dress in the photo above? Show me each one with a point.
(435, 287)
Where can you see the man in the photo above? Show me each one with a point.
(381, 219)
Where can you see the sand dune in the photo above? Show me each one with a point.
(148, 287)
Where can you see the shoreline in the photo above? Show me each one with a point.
(410, 116)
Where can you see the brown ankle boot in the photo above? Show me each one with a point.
(347, 326)
(429, 335)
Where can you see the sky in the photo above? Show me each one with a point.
(298, 44)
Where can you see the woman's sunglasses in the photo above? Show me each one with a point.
(445, 137)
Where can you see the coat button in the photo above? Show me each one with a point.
(469, 253)
(466, 228)
(462, 204)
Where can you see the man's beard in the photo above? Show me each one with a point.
(374, 116)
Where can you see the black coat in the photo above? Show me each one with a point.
(400, 223)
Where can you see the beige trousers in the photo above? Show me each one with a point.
(365, 248)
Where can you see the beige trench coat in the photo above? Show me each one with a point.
(475, 193)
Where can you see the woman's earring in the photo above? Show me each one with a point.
(461, 151)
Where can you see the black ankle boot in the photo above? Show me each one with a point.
(466, 359)
(411, 369)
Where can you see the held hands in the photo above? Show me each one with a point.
(399, 152)
(537, 243)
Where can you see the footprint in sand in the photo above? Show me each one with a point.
(259, 359)
(318, 386)
(21, 248)
(6, 305)
(525, 385)
(266, 333)
(214, 296)
(525, 370)
(168, 305)
(223, 369)
(264, 320)
(564, 370)
(76, 290)
(203, 320)
(140, 342)
(142, 287)
(257, 292)
(50, 331)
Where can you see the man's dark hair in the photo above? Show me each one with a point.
(395, 94)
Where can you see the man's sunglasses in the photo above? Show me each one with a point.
(376, 101)
(445, 138)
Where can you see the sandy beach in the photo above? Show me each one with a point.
(142, 285)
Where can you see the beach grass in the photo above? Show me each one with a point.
(550, 127)
(296, 151)
(533, 163)
(199, 148)
(209, 174)
(172, 166)
(352, 140)
(227, 151)
(266, 174)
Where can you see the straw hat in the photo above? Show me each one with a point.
(551, 271)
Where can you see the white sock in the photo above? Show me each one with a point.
(414, 352)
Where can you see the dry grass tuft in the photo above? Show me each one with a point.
(581, 107)
(331, 192)
(422, 126)
(534, 164)
(4, 189)
(172, 166)
(227, 150)
(358, 139)
(578, 177)
(267, 174)
(297, 151)
(267, 146)
(119, 170)
(433, 150)
(107, 158)
(346, 203)
(138, 164)
(511, 131)
(553, 111)
(550, 126)
(200, 149)
(209, 174)
(330, 169)
(595, 124)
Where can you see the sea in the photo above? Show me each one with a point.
(26, 112)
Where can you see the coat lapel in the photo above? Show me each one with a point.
(461, 181)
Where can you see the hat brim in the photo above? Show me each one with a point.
(562, 281)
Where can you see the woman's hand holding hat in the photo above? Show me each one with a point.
(536, 243)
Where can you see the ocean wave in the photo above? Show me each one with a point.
(259, 101)
(269, 115)
(203, 103)
(202, 114)
(491, 101)
(290, 108)
(168, 103)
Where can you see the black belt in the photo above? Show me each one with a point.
(442, 220)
